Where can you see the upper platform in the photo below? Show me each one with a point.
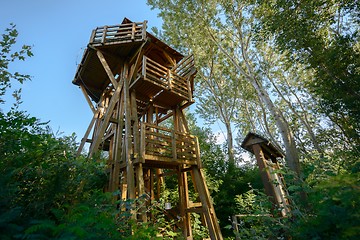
(161, 75)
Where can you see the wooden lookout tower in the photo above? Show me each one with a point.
(133, 82)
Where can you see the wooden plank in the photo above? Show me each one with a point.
(155, 158)
(198, 159)
(209, 212)
(128, 139)
(184, 204)
(133, 31)
(88, 100)
(144, 30)
(92, 37)
(157, 127)
(170, 59)
(151, 64)
(107, 68)
(169, 79)
(189, 89)
(104, 123)
(142, 143)
(187, 155)
(104, 35)
(157, 142)
(88, 130)
(158, 152)
(143, 72)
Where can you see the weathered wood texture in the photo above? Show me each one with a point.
(136, 82)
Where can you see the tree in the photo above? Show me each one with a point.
(228, 25)
(7, 55)
(324, 35)
(46, 192)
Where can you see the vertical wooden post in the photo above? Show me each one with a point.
(184, 203)
(138, 167)
(103, 39)
(83, 140)
(169, 78)
(189, 88)
(173, 145)
(88, 100)
(115, 181)
(142, 143)
(143, 71)
(110, 166)
(92, 37)
(133, 29)
(264, 173)
(197, 149)
(209, 212)
(235, 225)
(128, 139)
(144, 30)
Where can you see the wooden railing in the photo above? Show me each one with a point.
(186, 66)
(163, 144)
(165, 78)
(123, 33)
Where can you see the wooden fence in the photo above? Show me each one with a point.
(165, 78)
(123, 33)
(159, 143)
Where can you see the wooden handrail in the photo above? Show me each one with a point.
(167, 78)
(161, 141)
(118, 33)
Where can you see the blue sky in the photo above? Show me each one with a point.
(59, 30)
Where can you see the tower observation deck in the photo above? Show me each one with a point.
(133, 82)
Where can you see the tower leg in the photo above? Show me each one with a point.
(207, 206)
(184, 204)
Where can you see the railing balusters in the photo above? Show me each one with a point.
(144, 66)
(144, 30)
(133, 31)
(142, 143)
(173, 143)
(92, 38)
(104, 35)
(165, 143)
(169, 79)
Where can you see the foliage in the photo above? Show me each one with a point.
(334, 210)
(7, 55)
(256, 220)
(325, 36)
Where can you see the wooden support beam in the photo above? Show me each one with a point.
(142, 143)
(105, 121)
(209, 212)
(107, 68)
(103, 39)
(264, 173)
(128, 138)
(139, 167)
(189, 88)
(115, 180)
(88, 130)
(133, 29)
(144, 30)
(173, 145)
(170, 59)
(184, 203)
(197, 149)
(87, 98)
